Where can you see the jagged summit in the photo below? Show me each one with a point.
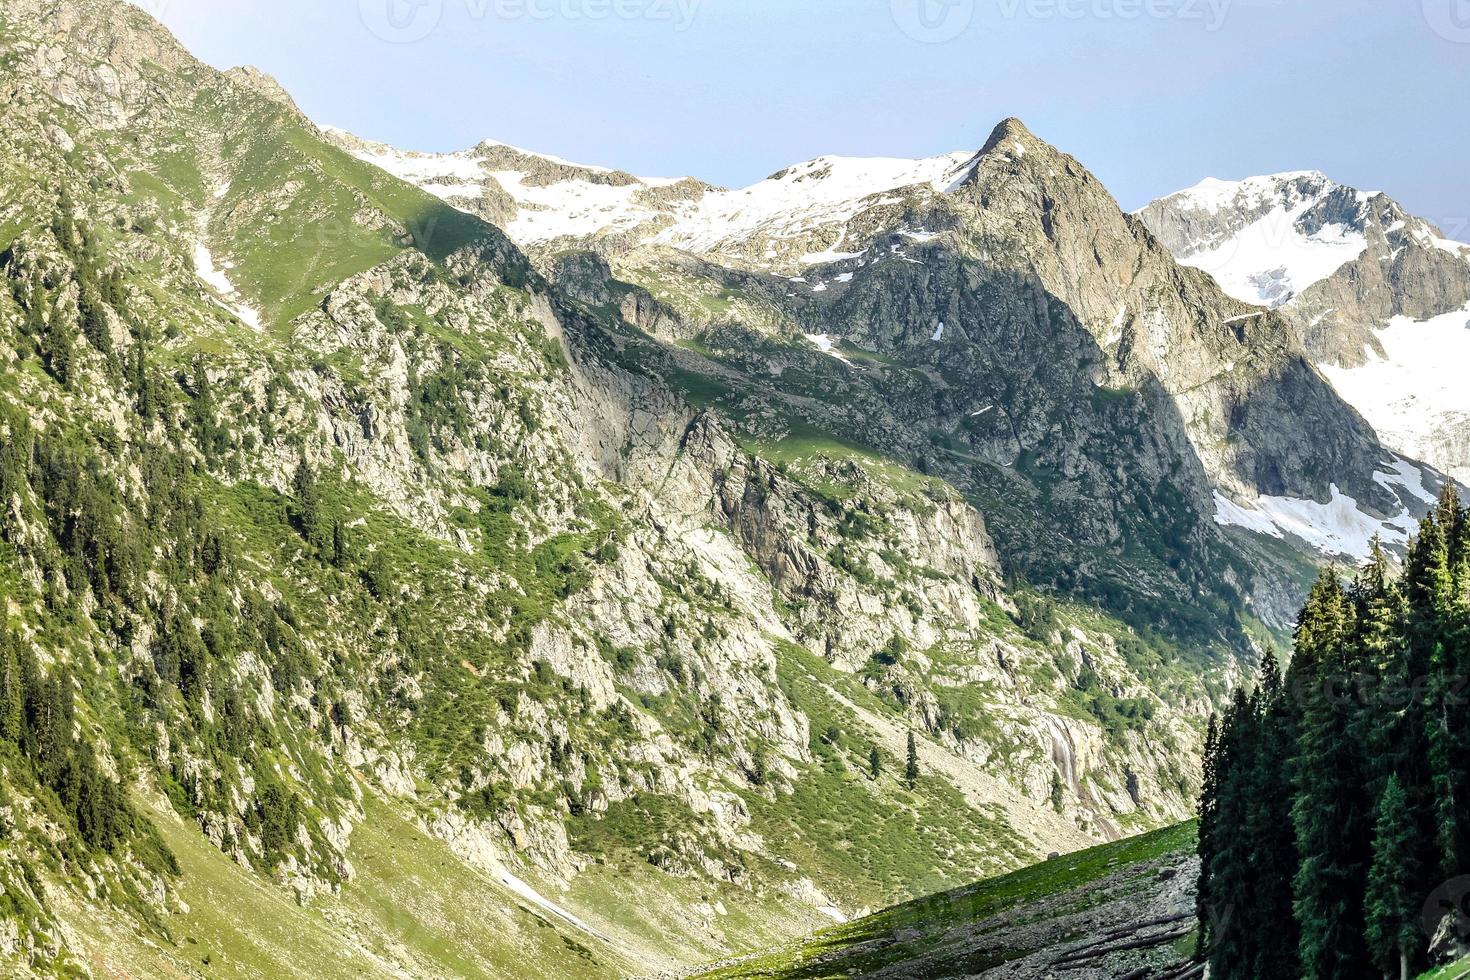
(1008, 130)
(266, 85)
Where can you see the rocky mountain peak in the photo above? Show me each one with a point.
(1008, 130)
(265, 85)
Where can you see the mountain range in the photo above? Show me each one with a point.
(1380, 298)
(479, 564)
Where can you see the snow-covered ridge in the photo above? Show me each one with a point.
(1213, 194)
(828, 190)
(800, 199)
(1253, 237)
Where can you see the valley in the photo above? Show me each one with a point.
(483, 564)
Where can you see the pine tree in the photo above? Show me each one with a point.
(911, 770)
(1423, 746)
(1384, 687)
(875, 763)
(1447, 713)
(1227, 900)
(58, 346)
(1331, 817)
(310, 519)
(94, 319)
(1271, 839)
(12, 691)
(1394, 904)
(1207, 810)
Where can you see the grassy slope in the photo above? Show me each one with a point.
(411, 907)
(848, 950)
(1455, 971)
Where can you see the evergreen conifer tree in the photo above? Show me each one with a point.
(1394, 902)
(12, 690)
(1227, 905)
(1447, 699)
(1330, 815)
(1270, 836)
(1207, 811)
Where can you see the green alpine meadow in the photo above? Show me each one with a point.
(476, 564)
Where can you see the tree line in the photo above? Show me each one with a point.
(1335, 807)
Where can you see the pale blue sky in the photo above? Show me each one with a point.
(1152, 95)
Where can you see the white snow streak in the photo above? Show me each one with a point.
(1417, 398)
(824, 343)
(205, 268)
(1338, 527)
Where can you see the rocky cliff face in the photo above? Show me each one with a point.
(1372, 291)
(353, 537)
(1012, 283)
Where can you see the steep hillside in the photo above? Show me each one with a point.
(1379, 297)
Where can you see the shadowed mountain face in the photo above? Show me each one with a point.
(584, 550)
(1027, 308)
(1379, 298)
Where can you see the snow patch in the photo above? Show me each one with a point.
(824, 343)
(1338, 527)
(531, 895)
(1416, 397)
(1404, 475)
(205, 268)
(1245, 316)
(938, 333)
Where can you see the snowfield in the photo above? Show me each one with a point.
(800, 199)
(1417, 398)
(821, 193)
(1271, 260)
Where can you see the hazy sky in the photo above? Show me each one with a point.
(1152, 95)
